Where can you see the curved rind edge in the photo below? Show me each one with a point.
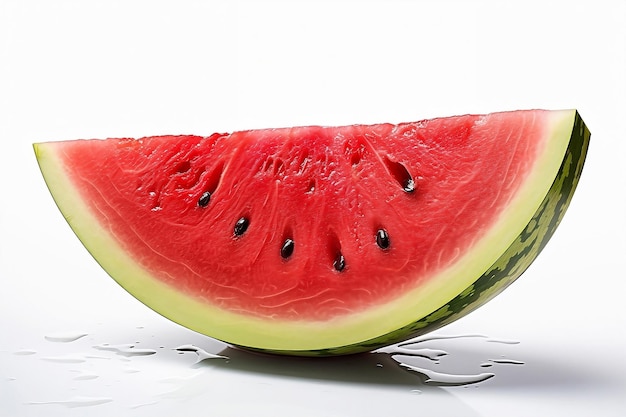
(513, 262)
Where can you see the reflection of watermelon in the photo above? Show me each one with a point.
(315, 240)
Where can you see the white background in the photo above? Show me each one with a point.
(76, 69)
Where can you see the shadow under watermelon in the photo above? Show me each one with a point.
(364, 368)
(416, 364)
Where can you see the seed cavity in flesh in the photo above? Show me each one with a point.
(241, 226)
(212, 181)
(382, 239)
(183, 167)
(287, 249)
(401, 174)
(340, 262)
(204, 199)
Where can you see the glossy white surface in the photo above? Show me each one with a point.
(71, 69)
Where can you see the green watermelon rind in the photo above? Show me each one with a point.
(389, 323)
(517, 258)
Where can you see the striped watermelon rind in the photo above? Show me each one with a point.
(517, 258)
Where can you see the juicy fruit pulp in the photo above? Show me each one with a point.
(329, 191)
(317, 240)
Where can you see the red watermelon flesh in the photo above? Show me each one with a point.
(328, 189)
(306, 224)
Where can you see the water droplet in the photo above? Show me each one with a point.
(202, 354)
(507, 361)
(76, 402)
(25, 352)
(416, 391)
(506, 342)
(96, 357)
(126, 350)
(486, 364)
(445, 379)
(64, 337)
(403, 350)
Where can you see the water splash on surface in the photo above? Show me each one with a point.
(75, 402)
(504, 341)
(507, 361)
(202, 354)
(445, 379)
(64, 337)
(455, 373)
(25, 352)
(417, 366)
(125, 350)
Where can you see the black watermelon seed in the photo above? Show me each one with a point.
(241, 226)
(287, 250)
(382, 239)
(204, 199)
(409, 185)
(340, 263)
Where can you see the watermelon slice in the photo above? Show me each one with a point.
(322, 240)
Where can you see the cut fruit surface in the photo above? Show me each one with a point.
(322, 240)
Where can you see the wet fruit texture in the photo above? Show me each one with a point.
(322, 240)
